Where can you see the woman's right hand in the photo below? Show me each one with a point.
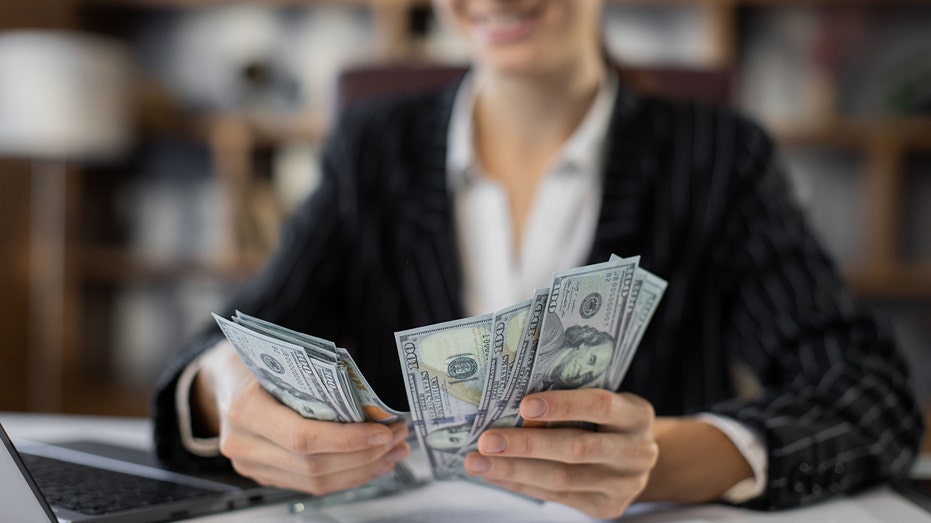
(274, 445)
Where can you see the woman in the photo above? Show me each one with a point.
(457, 203)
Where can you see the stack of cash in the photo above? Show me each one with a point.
(315, 378)
(465, 376)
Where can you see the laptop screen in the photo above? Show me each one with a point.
(20, 500)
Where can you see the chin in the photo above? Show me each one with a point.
(522, 59)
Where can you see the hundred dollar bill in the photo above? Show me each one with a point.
(507, 328)
(285, 371)
(444, 370)
(581, 326)
(511, 335)
(649, 293)
(507, 410)
(258, 340)
(618, 356)
(324, 359)
(323, 355)
(514, 320)
(319, 348)
(372, 406)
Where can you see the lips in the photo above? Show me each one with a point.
(502, 27)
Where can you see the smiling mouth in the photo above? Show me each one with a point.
(506, 26)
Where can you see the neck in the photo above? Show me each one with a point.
(522, 121)
(534, 111)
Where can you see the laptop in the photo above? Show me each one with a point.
(91, 481)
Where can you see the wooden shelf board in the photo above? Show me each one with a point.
(903, 281)
(188, 4)
(425, 3)
(911, 133)
(261, 129)
(106, 398)
(839, 3)
(926, 446)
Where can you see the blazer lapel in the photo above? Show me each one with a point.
(627, 169)
(432, 279)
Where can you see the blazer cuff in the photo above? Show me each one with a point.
(750, 444)
(203, 447)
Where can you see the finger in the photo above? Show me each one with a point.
(622, 450)
(260, 413)
(552, 475)
(325, 484)
(622, 412)
(595, 504)
(251, 454)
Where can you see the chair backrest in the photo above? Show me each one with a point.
(358, 83)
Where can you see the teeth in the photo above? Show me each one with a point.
(500, 21)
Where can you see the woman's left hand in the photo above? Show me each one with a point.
(599, 473)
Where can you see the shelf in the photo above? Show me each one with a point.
(926, 446)
(160, 117)
(900, 281)
(910, 133)
(118, 265)
(105, 397)
(189, 4)
(239, 143)
(828, 3)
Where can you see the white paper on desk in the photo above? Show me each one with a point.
(454, 502)
(461, 502)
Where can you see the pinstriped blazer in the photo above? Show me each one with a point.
(698, 193)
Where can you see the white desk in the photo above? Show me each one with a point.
(453, 502)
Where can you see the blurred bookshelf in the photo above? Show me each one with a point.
(218, 170)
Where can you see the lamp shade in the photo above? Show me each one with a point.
(63, 95)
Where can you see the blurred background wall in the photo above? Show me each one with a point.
(228, 104)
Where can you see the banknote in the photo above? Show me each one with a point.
(323, 358)
(507, 327)
(581, 326)
(465, 376)
(291, 373)
(317, 347)
(510, 327)
(650, 290)
(444, 369)
(285, 371)
(373, 408)
(507, 409)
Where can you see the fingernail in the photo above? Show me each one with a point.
(477, 464)
(381, 438)
(533, 408)
(492, 443)
(396, 455)
(398, 437)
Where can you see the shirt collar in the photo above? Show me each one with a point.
(583, 151)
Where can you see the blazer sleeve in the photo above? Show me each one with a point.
(298, 288)
(836, 410)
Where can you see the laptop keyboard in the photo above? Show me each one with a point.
(91, 490)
